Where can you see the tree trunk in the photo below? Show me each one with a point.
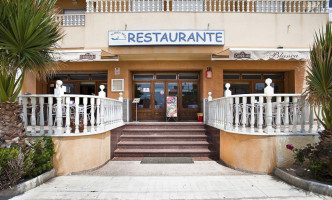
(11, 124)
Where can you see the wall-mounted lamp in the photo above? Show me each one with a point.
(208, 73)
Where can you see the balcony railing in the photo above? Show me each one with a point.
(71, 20)
(253, 6)
(67, 115)
(263, 114)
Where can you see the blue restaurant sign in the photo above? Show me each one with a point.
(165, 38)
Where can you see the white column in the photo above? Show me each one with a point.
(92, 114)
(68, 129)
(98, 114)
(286, 122)
(303, 106)
(85, 117)
(58, 115)
(33, 115)
(77, 115)
(87, 6)
(260, 116)
(244, 113)
(50, 115)
(41, 114)
(278, 117)
(311, 119)
(236, 114)
(252, 114)
(294, 114)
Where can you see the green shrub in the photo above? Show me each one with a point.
(14, 164)
(43, 151)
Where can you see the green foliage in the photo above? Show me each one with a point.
(43, 151)
(14, 164)
(317, 158)
(28, 32)
(319, 78)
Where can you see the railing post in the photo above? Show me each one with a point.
(85, 117)
(50, 115)
(278, 118)
(41, 114)
(120, 97)
(260, 116)
(77, 115)
(311, 119)
(209, 97)
(68, 129)
(33, 115)
(58, 92)
(102, 93)
(236, 114)
(268, 92)
(286, 122)
(294, 114)
(303, 106)
(252, 114)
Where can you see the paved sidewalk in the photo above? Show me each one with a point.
(119, 180)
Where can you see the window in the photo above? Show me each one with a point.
(231, 76)
(79, 77)
(251, 76)
(188, 76)
(165, 76)
(117, 85)
(99, 77)
(143, 77)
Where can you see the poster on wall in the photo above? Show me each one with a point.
(171, 107)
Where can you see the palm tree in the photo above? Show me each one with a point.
(28, 32)
(319, 92)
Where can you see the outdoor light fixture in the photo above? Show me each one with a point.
(208, 73)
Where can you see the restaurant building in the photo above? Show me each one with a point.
(151, 49)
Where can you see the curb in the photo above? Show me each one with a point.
(312, 186)
(27, 185)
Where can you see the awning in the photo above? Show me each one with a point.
(83, 55)
(262, 54)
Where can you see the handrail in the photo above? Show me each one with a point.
(70, 115)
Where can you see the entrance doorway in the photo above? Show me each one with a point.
(153, 89)
(253, 82)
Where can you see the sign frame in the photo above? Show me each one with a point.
(122, 34)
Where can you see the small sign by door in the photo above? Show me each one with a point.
(171, 107)
(117, 71)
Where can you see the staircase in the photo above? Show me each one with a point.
(164, 139)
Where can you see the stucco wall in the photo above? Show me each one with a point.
(285, 157)
(214, 85)
(248, 152)
(262, 30)
(78, 153)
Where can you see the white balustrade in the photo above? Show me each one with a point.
(70, 114)
(71, 19)
(264, 114)
(272, 6)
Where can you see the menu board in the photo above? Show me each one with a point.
(171, 107)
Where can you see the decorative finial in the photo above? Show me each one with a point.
(210, 96)
(227, 91)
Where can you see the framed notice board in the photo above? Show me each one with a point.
(171, 107)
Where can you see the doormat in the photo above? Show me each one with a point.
(167, 160)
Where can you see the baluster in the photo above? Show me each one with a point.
(294, 114)
(102, 6)
(238, 6)
(311, 119)
(268, 115)
(167, 5)
(120, 5)
(233, 2)
(215, 5)
(229, 6)
(294, 7)
(97, 6)
(260, 116)
(280, 6)
(286, 122)
(278, 117)
(25, 113)
(77, 115)
(243, 10)
(41, 114)
(236, 114)
(143, 6)
(327, 6)
(87, 6)
(111, 5)
(303, 106)
(134, 6)
(205, 5)
(253, 6)
(321, 7)
(247, 6)
(58, 116)
(79, 20)
(244, 113)
(230, 108)
(106, 5)
(252, 115)
(98, 114)
(50, 115)
(102, 113)
(115, 6)
(289, 6)
(224, 5)
(92, 114)
(85, 116)
(68, 115)
(276, 6)
(33, 115)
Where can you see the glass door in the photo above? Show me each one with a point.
(159, 101)
(189, 106)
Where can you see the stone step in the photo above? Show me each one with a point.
(163, 144)
(165, 125)
(203, 152)
(163, 131)
(186, 137)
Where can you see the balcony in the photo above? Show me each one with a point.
(252, 6)
(263, 114)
